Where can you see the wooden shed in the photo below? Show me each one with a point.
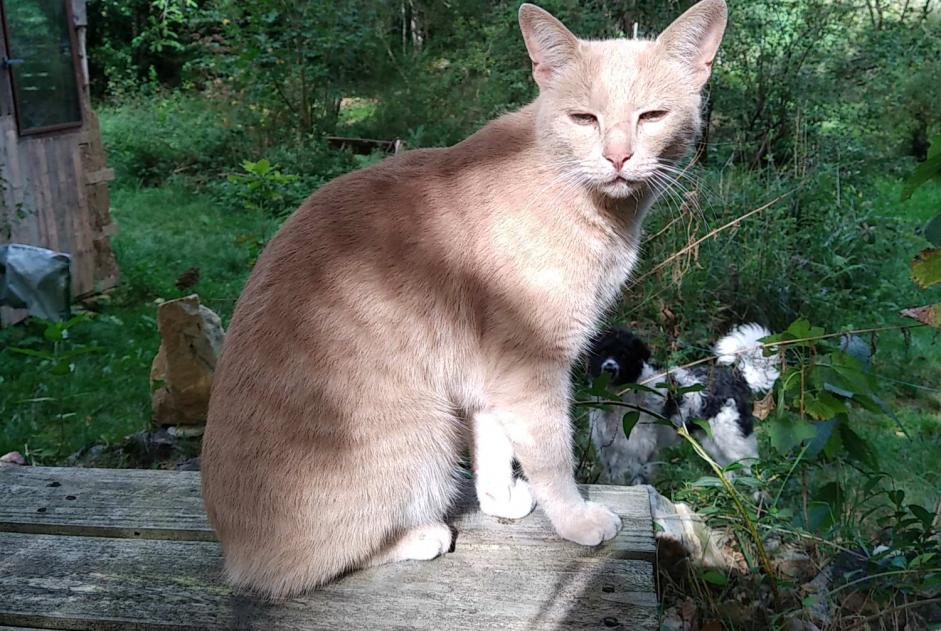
(53, 174)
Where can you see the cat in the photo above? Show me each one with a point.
(435, 301)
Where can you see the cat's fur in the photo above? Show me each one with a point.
(441, 295)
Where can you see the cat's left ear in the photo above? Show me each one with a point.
(551, 46)
(695, 36)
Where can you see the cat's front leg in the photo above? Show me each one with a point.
(541, 436)
(498, 493)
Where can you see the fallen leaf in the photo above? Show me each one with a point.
(929, 314)
(763, 407)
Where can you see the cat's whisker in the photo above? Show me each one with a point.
(689, 199)
(666, 187)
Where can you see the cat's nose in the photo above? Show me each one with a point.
(617, 156)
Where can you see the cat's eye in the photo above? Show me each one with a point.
(652, 116)
(584, 118)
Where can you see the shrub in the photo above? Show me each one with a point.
(153, 137)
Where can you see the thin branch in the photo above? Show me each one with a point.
(710, 235)
(739, 506)
(892, 609)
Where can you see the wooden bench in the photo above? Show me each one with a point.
(131, 549)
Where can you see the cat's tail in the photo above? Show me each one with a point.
(743, 349)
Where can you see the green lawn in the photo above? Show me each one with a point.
(104, 394)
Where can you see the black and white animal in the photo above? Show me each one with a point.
(725, 401)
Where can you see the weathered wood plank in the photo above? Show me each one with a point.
(62, 582)
(168, 505)
(99, 176)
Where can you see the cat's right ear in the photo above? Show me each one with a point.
(695, 36)
(551, 46)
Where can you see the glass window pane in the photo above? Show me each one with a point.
(38, 34)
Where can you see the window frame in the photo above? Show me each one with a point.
(14, 91)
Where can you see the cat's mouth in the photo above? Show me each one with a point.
(622, 187)
(620, 179)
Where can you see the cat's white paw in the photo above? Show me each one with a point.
(589, 524)
(512, 502)
(424, 543)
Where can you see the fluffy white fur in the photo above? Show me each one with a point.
(631, 460)
(742, 347)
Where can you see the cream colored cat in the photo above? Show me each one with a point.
(441, 295)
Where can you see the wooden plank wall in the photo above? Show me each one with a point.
(55, 189)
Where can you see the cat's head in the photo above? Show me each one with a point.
(616, 115)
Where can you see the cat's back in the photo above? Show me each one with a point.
(422, 202)
(402, 187)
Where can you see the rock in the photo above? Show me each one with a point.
(796, 624)
(683, 617)
(191, 464)
(14, 457)
(794, 564)
(181, 375)
(816, 603)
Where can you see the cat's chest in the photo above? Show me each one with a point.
(557, 264)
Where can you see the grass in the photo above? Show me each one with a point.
(105, 394)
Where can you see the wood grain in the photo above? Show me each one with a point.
(168, 505)
(62, 582)
(131, 549)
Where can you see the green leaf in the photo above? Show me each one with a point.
(31, 353)
(925, 516)
(787, 434)
(933, 231)
(921, 559)
(857, 447)
(897, 496)
(823, 405)
(629, 421)
(708, 482)
(715, 577)
(799, 328)
(927, 170)
(926, 268)
(599, 386)
(703, 425)
(54, 333)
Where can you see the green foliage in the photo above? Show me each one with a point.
(153, 137)
(928, 170)
(926, 268)
(828, 251)
(66, 385)
(54, 350)
(828, 387)
(134, 42)
(262, 187)
(297, 59)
